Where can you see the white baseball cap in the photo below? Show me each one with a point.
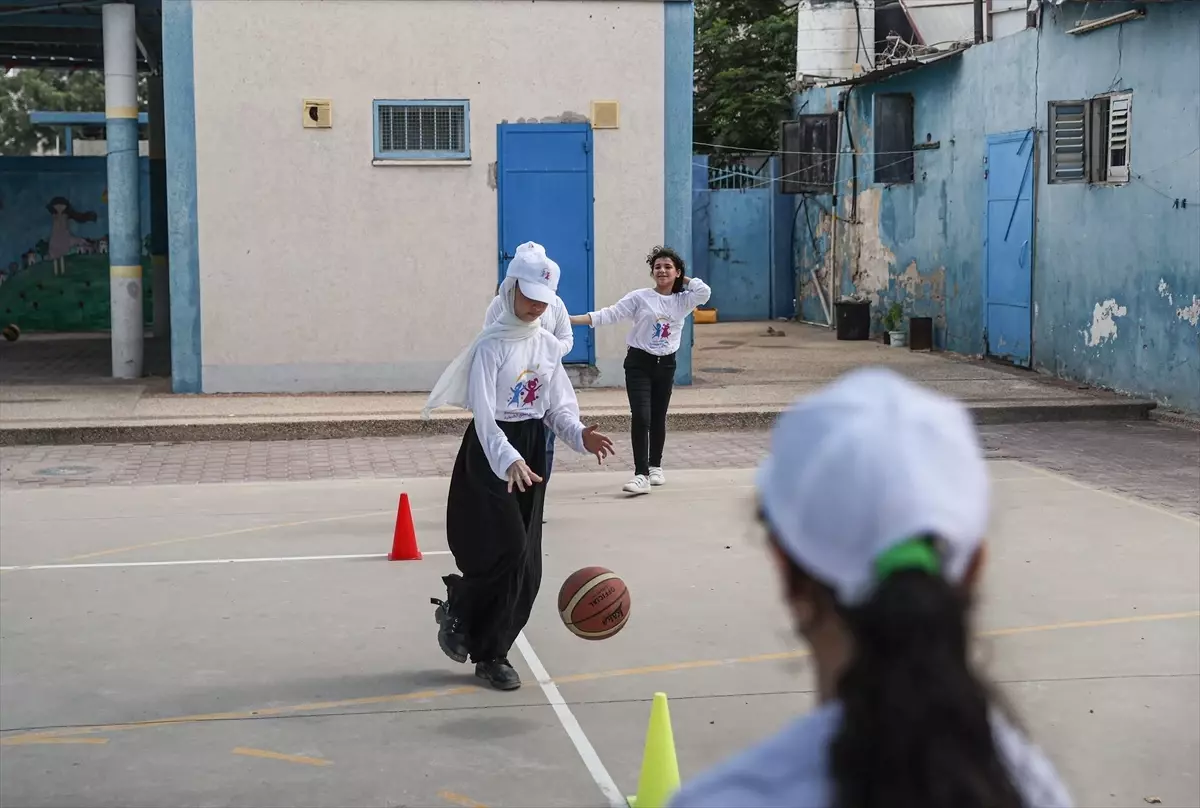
(868, 463)
(536, 275)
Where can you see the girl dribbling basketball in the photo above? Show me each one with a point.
(875, 501)
(512, 379)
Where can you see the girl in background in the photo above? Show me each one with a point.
(512, 379)
(875, 500)
(657, 316)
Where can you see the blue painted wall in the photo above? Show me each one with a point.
(54, 266)
(1126, 243)
(921, 244)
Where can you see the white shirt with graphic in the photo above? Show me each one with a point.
(657, 319)
(556, 319)
(518, 381)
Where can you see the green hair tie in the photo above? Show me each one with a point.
(914, 554)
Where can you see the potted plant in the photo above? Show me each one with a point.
(892, 322)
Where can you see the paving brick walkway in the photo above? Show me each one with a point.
(1158, 463)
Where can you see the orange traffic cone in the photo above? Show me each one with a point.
(404, 540)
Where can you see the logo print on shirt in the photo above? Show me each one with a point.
(662, 329)
(525, 392)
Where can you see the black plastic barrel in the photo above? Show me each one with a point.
(853, 319)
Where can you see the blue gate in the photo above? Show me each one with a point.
(735, 229)
(1008, 247)
(544, 190)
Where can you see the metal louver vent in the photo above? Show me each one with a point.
(1068, 138)
(422, 129)
(1119, 108)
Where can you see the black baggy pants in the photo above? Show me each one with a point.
(649, 380)
(496, 540)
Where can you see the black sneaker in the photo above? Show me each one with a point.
(452, 635)
(498, 673)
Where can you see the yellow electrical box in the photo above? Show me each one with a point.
(606, 114)
(318, 113)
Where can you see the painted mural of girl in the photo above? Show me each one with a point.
(61, 237)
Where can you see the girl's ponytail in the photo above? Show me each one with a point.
(916, 730)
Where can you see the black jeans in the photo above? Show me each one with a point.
(649, 380)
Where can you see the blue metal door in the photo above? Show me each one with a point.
(544, 186)
(739, 253)
(1008, 247)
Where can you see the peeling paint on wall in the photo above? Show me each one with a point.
(872, 270)
(1190, 313)
(1165, 291)
(1104, 324)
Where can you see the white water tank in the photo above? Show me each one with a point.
(832, 37)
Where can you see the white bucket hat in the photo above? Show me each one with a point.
(869, 463)
(536, 275)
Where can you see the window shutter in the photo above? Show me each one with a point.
(1068, 141)
(809, 154)
(1119, 108)
(893, 135)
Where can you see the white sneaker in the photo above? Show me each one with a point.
(640, 484)
(657, 477)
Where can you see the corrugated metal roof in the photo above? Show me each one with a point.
(879, 74)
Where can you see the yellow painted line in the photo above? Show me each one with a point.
(1113, 495)
(266, 712)
(263, 753)
(35, 740)
(779, 656)
(122, 271)
(800, 654)
(121, 112)
(1111, 621)
(459, 799)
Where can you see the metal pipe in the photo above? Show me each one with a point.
(124, 208)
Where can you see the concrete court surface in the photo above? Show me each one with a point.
(319, 682)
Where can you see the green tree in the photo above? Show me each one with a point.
(745, 72)
(49, 89)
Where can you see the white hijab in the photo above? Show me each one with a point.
(451, 388)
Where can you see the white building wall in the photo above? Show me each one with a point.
(322, 272)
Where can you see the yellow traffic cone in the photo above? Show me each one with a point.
(659, 779)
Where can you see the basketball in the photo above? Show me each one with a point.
(594, 603)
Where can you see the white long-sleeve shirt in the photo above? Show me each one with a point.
(519, 381)
(657, 319)
(556, 319)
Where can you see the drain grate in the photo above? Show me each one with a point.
(720, 370)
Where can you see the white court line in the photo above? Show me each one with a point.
(188, 562)
(583, 746)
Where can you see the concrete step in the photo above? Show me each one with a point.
(298, 427)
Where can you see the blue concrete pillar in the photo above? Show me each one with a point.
(679, 39)
(124, 209)
(161, 289)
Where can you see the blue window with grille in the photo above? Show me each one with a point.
(430, 129)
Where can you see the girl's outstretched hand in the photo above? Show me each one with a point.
(596, 443)
(581, 319)
(523, 476)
